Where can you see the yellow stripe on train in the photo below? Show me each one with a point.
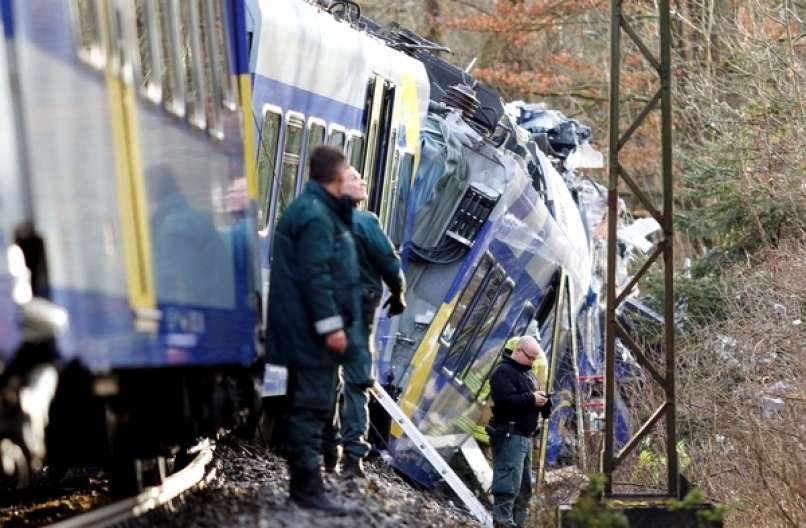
(249, 154)
(422, 362)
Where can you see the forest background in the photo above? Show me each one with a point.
(739, 71)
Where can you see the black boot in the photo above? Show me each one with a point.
(308, 492)
(353, 467)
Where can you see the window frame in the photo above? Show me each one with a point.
(486, 257)
(287, 118)
(306, 149)
(352, 135)
(151, 89)
(96, 54)
(389, 180)
(274, 110)
(213, 110)
(454, 351)
(198, 117)
(526, 307)
(474, 341)
(335, 128)
(227, 90)
(172, 33)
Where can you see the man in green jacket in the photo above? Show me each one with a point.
(378, 261)
(314, 310)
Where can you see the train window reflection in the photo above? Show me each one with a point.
(474, 379)
(294, 133)
(226, 81)
(266, 162)
(476, 316)
(148, 40)
(316, 136)
(192, 53)
(173, 69)
(211, 68)
(355, 151)
(468, 296)
(337, 137)
(488, 321)
(87, 32)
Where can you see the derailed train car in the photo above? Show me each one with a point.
(498, 244)
(128, 116)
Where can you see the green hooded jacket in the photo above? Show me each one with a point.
(314, 286)
(377, 260)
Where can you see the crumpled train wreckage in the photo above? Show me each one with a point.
(504, 237)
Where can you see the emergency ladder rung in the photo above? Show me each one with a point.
(437, 462)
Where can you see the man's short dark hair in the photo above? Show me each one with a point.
(325, 162)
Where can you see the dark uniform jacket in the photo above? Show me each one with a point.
(378, 261)
(511, 388)
(314, 280)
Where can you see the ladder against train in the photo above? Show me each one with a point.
(437, 462)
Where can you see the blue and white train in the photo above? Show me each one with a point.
(130, 140)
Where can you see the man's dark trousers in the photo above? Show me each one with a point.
(512, 480)
(349, 424)
(312, 392)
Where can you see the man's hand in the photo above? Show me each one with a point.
(336, 341)
(540, 398)
(396, 304)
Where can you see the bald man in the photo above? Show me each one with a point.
(517, 406)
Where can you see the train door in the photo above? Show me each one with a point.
(381, 129)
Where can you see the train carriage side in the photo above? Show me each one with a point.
(131, 115)
(318, 79)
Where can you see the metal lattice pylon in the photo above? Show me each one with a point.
(665, 376)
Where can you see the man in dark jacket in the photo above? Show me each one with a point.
(517, 407)
(314, 308)
(378, 261)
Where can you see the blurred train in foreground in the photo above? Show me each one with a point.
(126, 157)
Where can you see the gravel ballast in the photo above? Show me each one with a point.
(248, 486)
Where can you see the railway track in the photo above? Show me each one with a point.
(148, 499)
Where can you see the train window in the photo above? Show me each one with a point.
(223, 52)
(148, 40)
(355, 150)
(522, 322)
(173, 69)
(87, 32)
(294, 134)
(192, 54)
(401, 205)
(518, 329)
(337, 136)
(467, 297)
(316, 136)
(478, 322)
(212, 66)
(475, 315)
(267, 160)
(386, 183)
(485, 325)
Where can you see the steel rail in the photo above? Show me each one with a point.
(148, 499)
